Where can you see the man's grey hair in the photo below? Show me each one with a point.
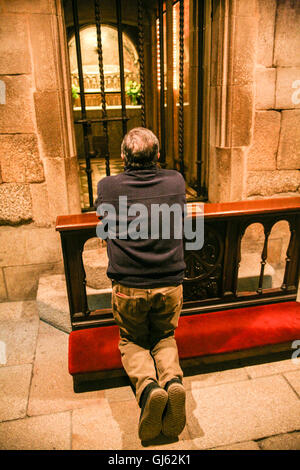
(140, 148)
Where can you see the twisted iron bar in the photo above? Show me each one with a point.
(102, 83)
(181, 78)
(141, 60)
(86, 125)
(121, 63)
(161, 83)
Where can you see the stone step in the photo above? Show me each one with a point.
(52, 301)
(95, 263)
(249, 272)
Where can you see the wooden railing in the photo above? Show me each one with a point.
(211, 276)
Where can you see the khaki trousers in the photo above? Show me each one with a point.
(147, 319)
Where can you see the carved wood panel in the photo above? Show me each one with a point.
(203, 273)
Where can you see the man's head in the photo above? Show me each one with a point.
(140, 148)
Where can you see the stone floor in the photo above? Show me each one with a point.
(246, 407)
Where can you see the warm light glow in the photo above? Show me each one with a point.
(110, 53)
(175, 50)
(158, 54)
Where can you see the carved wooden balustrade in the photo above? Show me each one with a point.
(211, 276)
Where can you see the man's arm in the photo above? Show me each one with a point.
(99, 198)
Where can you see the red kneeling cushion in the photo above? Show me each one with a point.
(96, 349)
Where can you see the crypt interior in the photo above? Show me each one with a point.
(218, 81)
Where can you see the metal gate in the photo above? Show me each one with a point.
(98, 146)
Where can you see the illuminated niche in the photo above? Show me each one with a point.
(111, 66)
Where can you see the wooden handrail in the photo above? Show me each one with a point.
(211, 210)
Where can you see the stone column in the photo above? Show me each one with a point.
(234, 36)
(274, 156)
(39, 178)
(53, 108)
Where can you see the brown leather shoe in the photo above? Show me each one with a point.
(153, 402)
(174, 418)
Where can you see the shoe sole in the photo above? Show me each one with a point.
(175, 418)
(151, 422)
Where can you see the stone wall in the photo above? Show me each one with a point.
(255, 99)
(38, 166)
(254, 108)
(274, 155)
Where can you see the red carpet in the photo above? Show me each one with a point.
(96, 349)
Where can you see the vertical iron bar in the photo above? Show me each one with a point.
(170, 79)
(86, 126)
(121, 63)
(199, 189)
(102, 84)
(141, 61)
(181, 97)
(162, 84)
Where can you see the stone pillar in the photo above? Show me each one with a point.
(274, 156)
(234, 36)
(255, 96)
(38, 165)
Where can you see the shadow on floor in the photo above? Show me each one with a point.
(188, 370)
(126, 414)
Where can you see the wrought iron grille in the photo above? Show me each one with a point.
(166, 113)
(92, 144)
